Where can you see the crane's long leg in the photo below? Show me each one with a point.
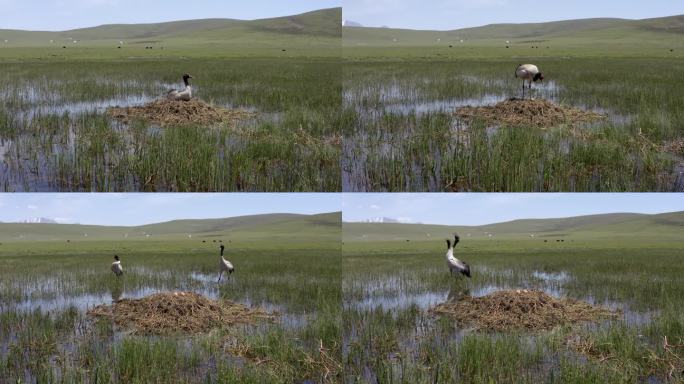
(530, 90)
(523, 82)
(220, 274)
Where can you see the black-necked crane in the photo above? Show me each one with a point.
(454, 263)
(185, 94)
(224, 265)
(116, 266)
(529, 73)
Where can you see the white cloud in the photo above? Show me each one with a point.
(374, 206)
(31, 206)
(97, 3)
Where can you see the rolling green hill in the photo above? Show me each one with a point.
(281, 226)
(614, 225)
(618, 33)
(312, 31)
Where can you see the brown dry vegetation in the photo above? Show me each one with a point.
(538, 113)
(675, 146)
(177, 112)
(519, 310)
(177, 312)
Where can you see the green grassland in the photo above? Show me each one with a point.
(313, 34)
(289, 264)
(400, 97)
(393, 273)
(584, 37)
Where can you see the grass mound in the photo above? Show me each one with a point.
(177, 312)
(519, 309)
(177, 112)
(538, 113)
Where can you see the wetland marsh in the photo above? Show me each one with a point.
(402, 133)
(55, 134)
(48, 286)
(394, 276)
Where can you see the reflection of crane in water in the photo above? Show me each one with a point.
(117, 292)
(454, 263)
(457, 294)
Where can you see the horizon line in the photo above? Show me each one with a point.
(493, 24)
(164, 22)
(168, 221)
(510, 221)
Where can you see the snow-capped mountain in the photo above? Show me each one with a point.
(39, 220)
(349, 23)
(381, 220)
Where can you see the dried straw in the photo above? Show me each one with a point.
(177, 112)
(177, 312)
(675, 146)
(519, 309)
(537, 113)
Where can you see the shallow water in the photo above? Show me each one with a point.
(392, 293)
(45, 296)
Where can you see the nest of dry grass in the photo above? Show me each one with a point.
(537, 113)
(675, 146)
(519, 310)
(177, 112)
(177, 312)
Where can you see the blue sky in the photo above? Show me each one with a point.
(145, 208)
(487, 208)
(58, 15)
(454, 14)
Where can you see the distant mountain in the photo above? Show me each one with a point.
(349, 23)
(669, 28)
(320, 25)
(39, 220)
(271, 227)
(614, 224)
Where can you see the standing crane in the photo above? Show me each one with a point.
(456, 265)
(529, 73)
(116, 266)
(224, 265)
